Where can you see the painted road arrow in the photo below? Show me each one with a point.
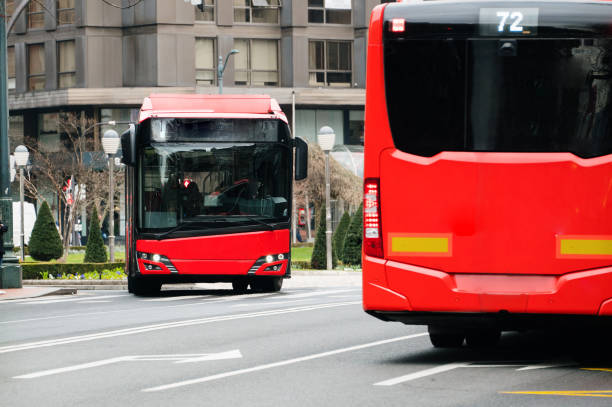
(188, 358)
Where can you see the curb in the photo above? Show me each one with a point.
(122, 284)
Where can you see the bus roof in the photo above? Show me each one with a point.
(211, 106)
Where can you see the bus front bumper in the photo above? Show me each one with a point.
(419, 293)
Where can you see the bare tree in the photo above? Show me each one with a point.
(76, 161)
(343, 183)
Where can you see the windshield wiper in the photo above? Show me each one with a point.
(181, 226)
(261, 222)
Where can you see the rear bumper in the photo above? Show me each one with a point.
(391, 287)
(503, 321)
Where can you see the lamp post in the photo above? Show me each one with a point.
(110, 143)
(221, 68)
(326, 138)
(10, 271)
(21, 160)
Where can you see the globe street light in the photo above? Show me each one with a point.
(110, 143)
(326, 138)
(21, 160)
(221, 68)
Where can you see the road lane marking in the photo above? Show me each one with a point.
(452, 366)
(567, 393)
(601, 369)
(41, 301)
(423, 373)
(190, 358)
(177, 298)
(124, 310)
(177, 324)
(267, 304)
(309, 294)
(282, 363)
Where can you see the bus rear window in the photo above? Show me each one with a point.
(500, 95)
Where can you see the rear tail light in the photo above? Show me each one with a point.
(372, 232)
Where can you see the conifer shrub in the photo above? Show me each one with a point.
(352, 243)
(45, 242)
(318, 261)
(95, 251)
(340, 234)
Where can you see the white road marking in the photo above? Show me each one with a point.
(177, 298)
(420, 374)
(124, 310)
(157, 327)
(43, 301)
(282, 363)
(306, 295)
(94, 301)
(451, 366)
(191, 358)
(269, 303)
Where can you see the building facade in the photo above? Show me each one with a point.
(101, 58)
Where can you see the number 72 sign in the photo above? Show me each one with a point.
(508, 21)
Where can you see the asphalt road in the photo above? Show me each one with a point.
(303, 346)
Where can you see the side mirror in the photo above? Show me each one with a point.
(301, 159)
(128, 145)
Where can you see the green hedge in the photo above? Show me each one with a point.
(34, 271)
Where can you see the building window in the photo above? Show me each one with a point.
(205, 11)
(329, 11)
(66, 66)
(257, 11)
(48, 133)
(36, 15)
(36, 67)
(205, 61)
(10, 62)
(330, 63)
(257, 63)
(65, 12)
(16, 134)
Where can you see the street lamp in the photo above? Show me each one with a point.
(110, 143)
(221, 68)
(326, 138)
(21, 160)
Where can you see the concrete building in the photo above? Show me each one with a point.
(100, 58)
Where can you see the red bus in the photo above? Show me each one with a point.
(208, 192)
(488, 166)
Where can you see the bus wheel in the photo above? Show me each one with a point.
(482, 338)
(143, 287)
(130, 284)
(268, 284)
(240, 286)
(445, 338)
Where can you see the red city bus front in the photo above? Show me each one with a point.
(208, 192)
(488, 163)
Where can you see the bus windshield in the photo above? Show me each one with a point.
(198, 186)
(500, 94)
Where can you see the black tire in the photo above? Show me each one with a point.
(144, 288)
(268, 284)
(240, 286)
(482, 338)
(445, 338)
(130, 284)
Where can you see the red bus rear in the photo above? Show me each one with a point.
(208, 187)
(488, 166)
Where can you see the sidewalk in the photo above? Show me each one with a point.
(300, 278)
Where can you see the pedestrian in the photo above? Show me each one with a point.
(3, 230)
